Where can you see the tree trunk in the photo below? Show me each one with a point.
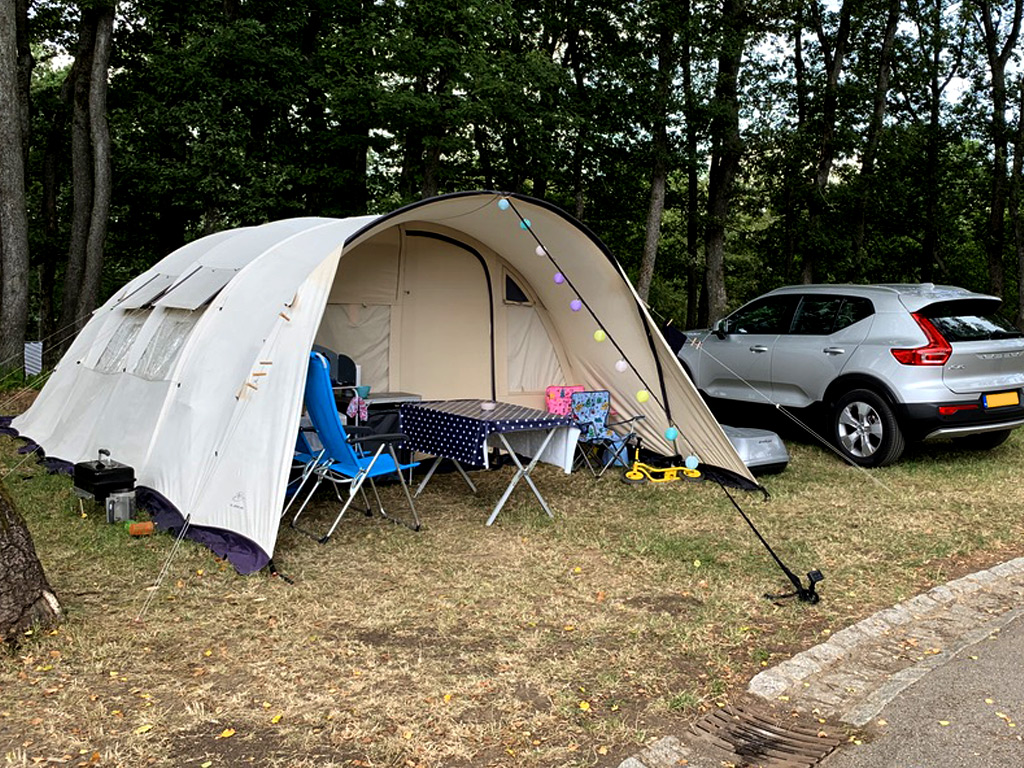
(659, 172)
(76, 91)
(99, 133)
(14, 254)
(695, 274)
(867, 166)
(25, 64)
(998, 56)
(792, 167)
(1017, 216)
(26, 599)
(834, 55)
(725, 153)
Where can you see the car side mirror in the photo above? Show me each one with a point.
(721, 329)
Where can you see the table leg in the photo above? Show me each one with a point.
(430, 474)
(426, 478)
(521, 473)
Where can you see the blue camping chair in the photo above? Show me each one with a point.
(341, 463)
(599, 445)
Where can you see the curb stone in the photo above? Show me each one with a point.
(868, 651)
(861, 668)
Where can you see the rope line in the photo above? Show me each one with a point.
(164, 570)
(825, 442)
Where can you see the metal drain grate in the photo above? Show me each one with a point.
(755, 740)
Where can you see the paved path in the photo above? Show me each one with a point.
(967, 713)
(927, 660)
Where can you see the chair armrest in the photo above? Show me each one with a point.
(393, 437)
(355, 432)
(627, 421)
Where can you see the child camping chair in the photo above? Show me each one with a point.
(559, 398)
(599, 445)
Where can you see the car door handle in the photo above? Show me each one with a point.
(834, 351)
(759, 348)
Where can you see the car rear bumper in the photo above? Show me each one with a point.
(922, 421)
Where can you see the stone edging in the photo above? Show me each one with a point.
(790, 675)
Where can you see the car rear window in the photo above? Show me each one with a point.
(973, 327)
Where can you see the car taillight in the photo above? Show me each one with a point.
(949, 410)
(935, 352)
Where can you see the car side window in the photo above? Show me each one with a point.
(854, 309)
(825, 315)
(816, 315)
(768, 315)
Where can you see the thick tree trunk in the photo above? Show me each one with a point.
(99, 133)
(725, 153)
(14, 254)
(659, 172)
(76, 92)
(26, 599)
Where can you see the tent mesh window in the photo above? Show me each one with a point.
(163, 347)
(513, 293)
(113, 357)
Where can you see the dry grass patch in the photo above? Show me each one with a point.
(530, 643)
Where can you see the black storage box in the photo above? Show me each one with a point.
(101, 478)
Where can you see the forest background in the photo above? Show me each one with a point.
(719, 148)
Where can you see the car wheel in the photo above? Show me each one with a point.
(865, 429)
(983, 441)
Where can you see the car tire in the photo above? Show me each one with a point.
(983, 441)
(865, 429)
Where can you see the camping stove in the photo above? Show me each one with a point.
(104, 477)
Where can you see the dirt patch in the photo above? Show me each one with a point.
(675, 605)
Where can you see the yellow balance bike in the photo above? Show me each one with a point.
(639, 472)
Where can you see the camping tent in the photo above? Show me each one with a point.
(193, 373)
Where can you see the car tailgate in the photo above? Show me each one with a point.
(985, 366)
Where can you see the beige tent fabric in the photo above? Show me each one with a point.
(363, 332)
(202, 396)
(532, 362)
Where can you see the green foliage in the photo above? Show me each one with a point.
(228, 113)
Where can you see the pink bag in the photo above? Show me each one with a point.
(558, 398)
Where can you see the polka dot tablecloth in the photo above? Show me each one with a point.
(458, 429)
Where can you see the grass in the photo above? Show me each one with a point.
(530, 643)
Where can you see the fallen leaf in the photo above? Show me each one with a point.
(207, 764)
(602, 750)
(276, 719)
(943, 722)
(143, 729)
(990, 701)
(585, 706)
(227, 733)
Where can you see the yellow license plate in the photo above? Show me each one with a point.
(1000, 399)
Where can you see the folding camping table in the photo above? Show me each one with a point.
(463, 431)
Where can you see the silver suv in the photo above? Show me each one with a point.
(889, 363)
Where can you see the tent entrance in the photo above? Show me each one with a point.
(447, 326)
